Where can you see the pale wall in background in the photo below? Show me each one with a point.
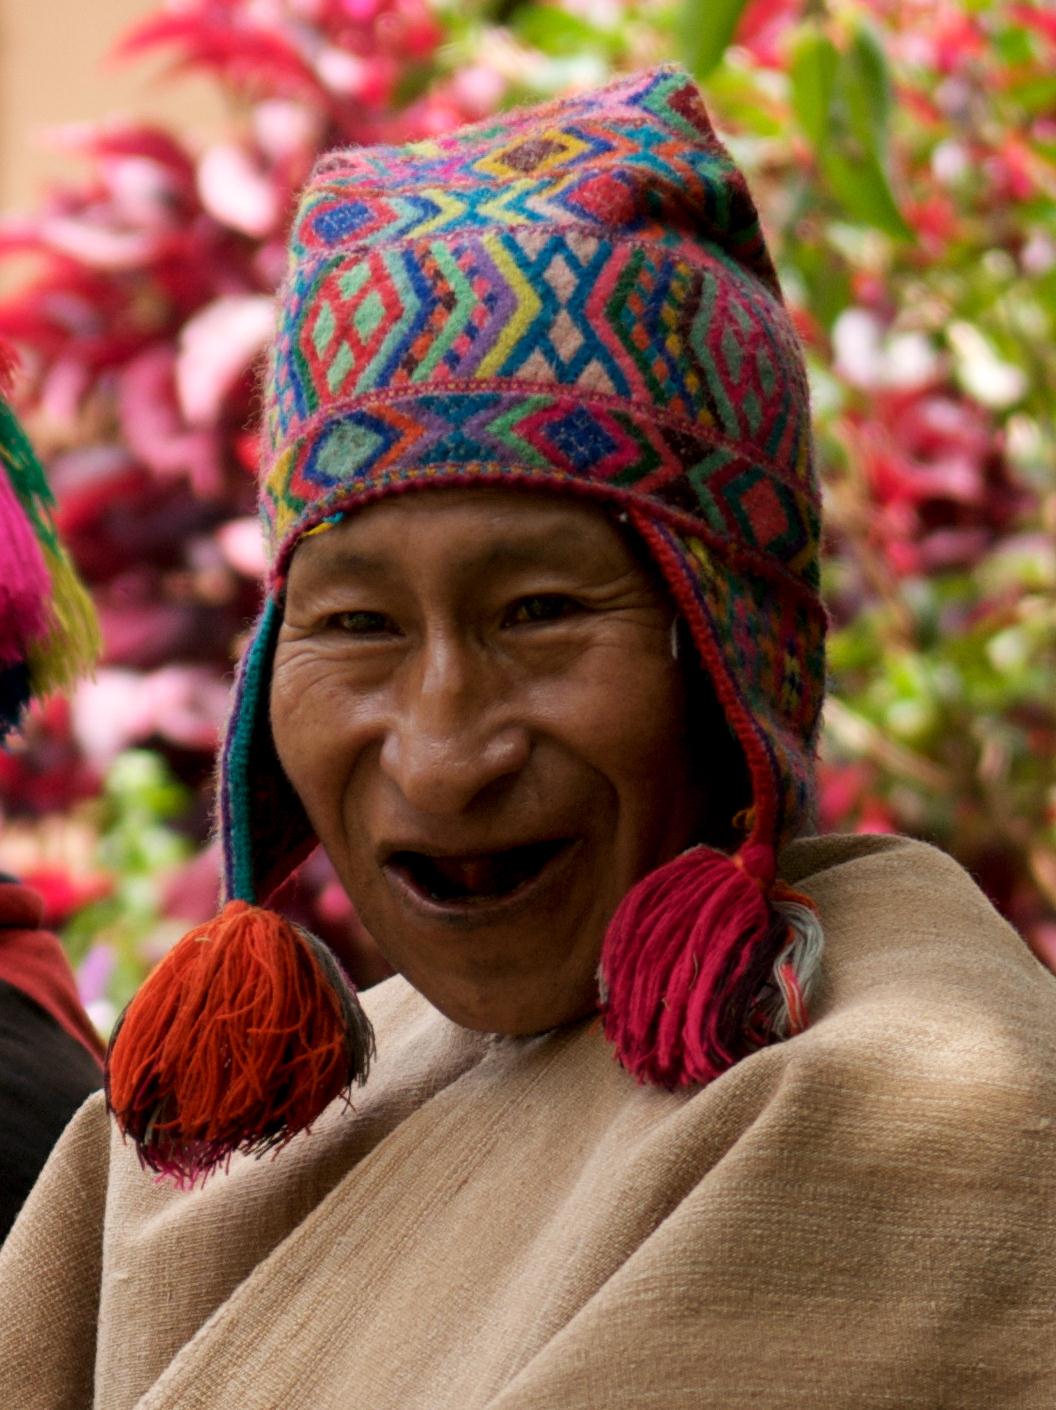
(53, 70)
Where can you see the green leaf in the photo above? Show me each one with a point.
(557, 33)
(734, 92)
(860, 185)
(708, 27)
(842, 102)
(828, 287)
(1014, 46)
(864, 88)
(814, 63)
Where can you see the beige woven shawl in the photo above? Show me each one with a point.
(863, 1217)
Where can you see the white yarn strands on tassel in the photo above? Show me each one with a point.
(783, 1004)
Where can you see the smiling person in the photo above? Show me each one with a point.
(476, 699)
(669, 1102)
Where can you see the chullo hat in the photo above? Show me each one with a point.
(578, 298)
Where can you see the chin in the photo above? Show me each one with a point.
(513, 1014)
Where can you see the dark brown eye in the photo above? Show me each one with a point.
(363, 623)
(540, 607)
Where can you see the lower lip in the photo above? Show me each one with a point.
(492, 909)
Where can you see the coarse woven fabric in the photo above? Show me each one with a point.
(861, 1218)
(574, 297)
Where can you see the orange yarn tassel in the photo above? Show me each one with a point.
(240, 1038)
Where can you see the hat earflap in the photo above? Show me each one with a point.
(248, 1028)
(708, 957)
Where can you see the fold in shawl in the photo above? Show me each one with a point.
(862, 1217)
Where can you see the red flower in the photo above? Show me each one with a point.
(936, 220)
(849, 800)
(938, 478)
(1011, 168)
(64, 894)
(49, 774)
(762, 29)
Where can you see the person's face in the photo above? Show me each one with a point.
(475, 697)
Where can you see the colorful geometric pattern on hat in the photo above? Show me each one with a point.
(622, 156)
(575, 296)
(582, 288)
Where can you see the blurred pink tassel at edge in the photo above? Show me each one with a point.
(25, 585)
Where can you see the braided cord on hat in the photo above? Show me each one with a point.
(236, 801)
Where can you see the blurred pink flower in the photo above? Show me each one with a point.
(183, 705)
(936, 220)
(216, 349)
(849, 798)
(237, 191)
(934, 34)
(242, 545)
(938, 478)
(1013, 169)
(478, 90)
(190, 892)
(1042, 940)
(1040, 18)
(93, 973)
(153, 427)
(225, 40)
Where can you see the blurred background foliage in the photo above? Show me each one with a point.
(903, 155)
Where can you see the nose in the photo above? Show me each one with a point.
(451, 736)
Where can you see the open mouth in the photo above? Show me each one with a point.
(476, 878)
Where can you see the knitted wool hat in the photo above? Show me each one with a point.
(574, 297)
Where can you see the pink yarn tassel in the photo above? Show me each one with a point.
(685, 956)
(25, 586)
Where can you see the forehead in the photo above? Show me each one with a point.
(467, 526)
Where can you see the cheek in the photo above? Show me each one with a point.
(622, 712)
(627, 716)
(316, 725)
(661, 797)
(631, 730)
